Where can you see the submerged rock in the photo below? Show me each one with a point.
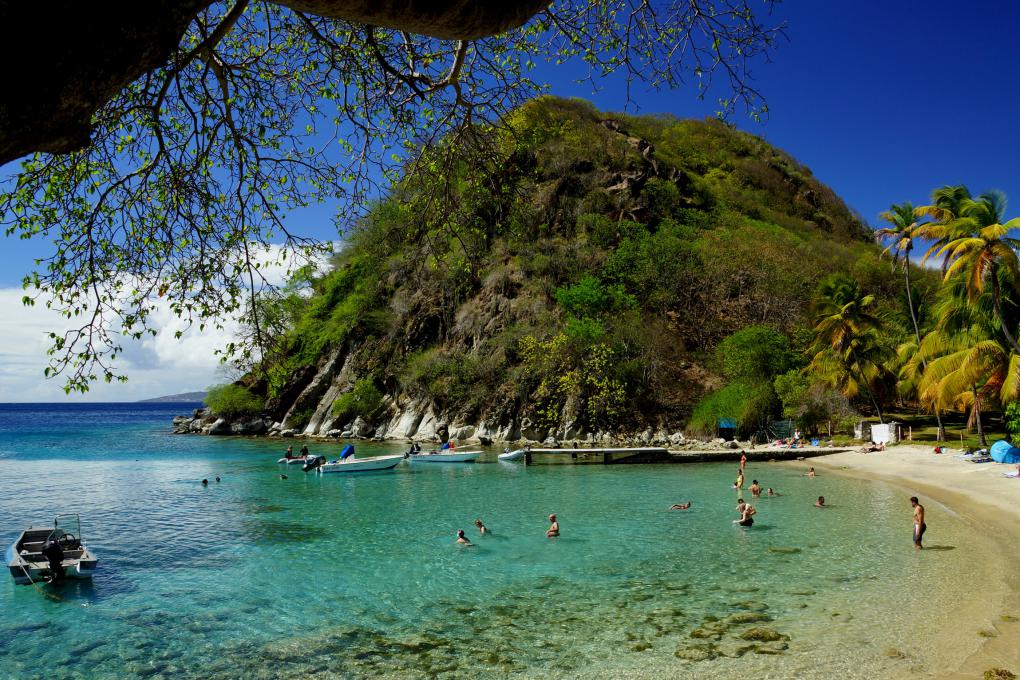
(703, 652)
(999, 674)
(746, 617)
(783, 551)
(763, 635)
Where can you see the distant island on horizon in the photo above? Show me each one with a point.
(183, 396)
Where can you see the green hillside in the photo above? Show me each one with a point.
(572, 274)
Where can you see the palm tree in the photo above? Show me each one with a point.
(945, 208)
(968, 359)
(903, 229)
(982, 252)
(848, 348)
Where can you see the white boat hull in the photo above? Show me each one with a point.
(362, 464)
(512, 455)
(294, 461)
(461, 457)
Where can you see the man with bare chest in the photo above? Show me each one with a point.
(919, 525)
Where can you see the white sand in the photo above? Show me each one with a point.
(975, 490)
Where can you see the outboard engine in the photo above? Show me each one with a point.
(54, 554)
(313, 463)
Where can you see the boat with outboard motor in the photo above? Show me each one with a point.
(444, 457)
(349, 463)
(313, 462)
(51, 554)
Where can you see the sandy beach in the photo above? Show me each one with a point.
(977, 491)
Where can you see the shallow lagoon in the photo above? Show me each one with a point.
(359, 576)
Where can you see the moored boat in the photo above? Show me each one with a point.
(513, 455)
(445, 457)
(352, 464)
(298, 460)
(51, 553)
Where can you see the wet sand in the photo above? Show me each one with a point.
(977, 491)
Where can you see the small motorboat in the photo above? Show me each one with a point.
(352, 464)
(444, 457)
(38, 553)
(349, 463)
(313, 462)
(295, 460)
(513, 455)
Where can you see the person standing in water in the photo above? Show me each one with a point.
(755, 489)
(747, 513)
(810, 472)
(739, 483)
(554, 528)
(820, 503)
(919, 525)
(482, 529)
(743, 460)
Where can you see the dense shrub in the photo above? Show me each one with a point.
(363, 400)
(232, 401)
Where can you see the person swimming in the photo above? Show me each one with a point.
(810, 473)
(820, 503)
(217, 479)
(205, 482)
(681, 506)
(554, 528)
(482, 529)
(771, 492)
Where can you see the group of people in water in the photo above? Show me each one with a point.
(747, 511)
(552, 532)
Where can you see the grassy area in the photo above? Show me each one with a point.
(922, 428)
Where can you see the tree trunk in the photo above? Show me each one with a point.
(867, 387)
(977, 417)
(941, 435)
(997, 306)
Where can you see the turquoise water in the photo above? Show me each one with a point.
(360, 577)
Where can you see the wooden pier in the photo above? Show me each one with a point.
(604, 456)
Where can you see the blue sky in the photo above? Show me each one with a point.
(884, 101)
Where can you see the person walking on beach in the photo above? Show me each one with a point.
(554, 528)
(919, 525)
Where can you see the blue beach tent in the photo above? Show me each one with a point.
(1004, 452)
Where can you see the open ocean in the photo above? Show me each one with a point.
(359, 576)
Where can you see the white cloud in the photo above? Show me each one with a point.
(155, 366)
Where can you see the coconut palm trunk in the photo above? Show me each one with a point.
(941, 434)
(997, 306)
(867, 387)
(976, 411)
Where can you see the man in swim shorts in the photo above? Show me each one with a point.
(919, 525)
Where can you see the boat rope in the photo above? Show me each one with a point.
(47, 595)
